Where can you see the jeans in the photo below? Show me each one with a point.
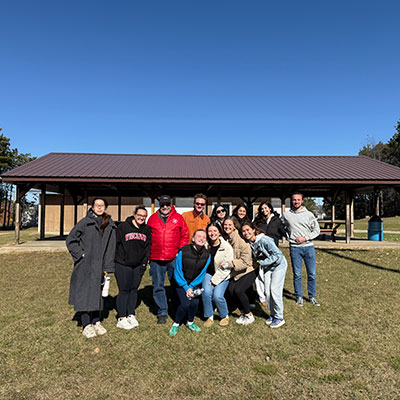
(157, 271)
(297, 255)
(215, 294)
(273, 280)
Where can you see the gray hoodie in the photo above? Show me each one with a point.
(301, 223)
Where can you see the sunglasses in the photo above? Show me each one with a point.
(221, 211)
(200, 204)
(165, 205)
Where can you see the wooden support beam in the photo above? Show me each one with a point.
(42, 211)
(119, 206)
(283, 205)
(352, 216)
(85, 201)
(62, 207)
(18, 216)
(153, 206)
(348, 197)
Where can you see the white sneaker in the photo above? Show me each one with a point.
(240, 320)
(132, 320)
(89, 331)
(99, 328)
(124, 324)
(248, 319)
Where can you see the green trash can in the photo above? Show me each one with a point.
(375, 228)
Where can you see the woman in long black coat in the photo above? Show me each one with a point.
(92, 246)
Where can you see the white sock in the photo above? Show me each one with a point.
(190, 323)
(175, 324)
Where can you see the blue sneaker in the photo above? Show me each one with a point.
(269, 320)
(277, 322)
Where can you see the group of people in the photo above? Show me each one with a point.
(215, 259)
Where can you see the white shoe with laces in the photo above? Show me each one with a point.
(240, 320)
(123, 323)
(89, 331)
(99, 328)
(248, 319)
(133, 321)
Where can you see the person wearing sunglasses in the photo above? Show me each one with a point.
(197, 218)
(169, 233)
(218, 215)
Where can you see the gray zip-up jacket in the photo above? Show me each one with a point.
(301, 223)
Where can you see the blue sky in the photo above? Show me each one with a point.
(199, 77)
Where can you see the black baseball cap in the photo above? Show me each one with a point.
(165, 199)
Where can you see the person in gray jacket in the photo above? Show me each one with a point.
(302, 228)
(272, 271)
(91, 244)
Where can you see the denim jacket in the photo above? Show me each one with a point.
(266, 252)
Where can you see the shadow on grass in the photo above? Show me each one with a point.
(366, 264)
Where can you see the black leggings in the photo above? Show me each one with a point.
(90, 317)
(186, 307)
(237, 290)
(128, 280)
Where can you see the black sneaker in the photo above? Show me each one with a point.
(314, 301)
(299, 301)
(162, 319)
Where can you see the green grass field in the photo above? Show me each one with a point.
(347, 348)
(389, 224)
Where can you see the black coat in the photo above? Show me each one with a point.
(275, 229)
(93, 253)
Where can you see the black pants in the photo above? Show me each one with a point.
(90, 317)
(186, 307)
(237, 290)
(128, 280)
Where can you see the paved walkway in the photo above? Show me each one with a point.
(35, 246)
(340, 244)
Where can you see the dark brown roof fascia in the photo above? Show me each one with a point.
(211, 181)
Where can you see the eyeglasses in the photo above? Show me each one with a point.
(221, 211)
(141, 216)
(200, 204)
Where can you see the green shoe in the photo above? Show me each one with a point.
(173, 331)
(193, 327)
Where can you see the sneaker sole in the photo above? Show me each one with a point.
(268, 322)
(128, 328)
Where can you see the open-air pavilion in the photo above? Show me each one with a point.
(81, 175)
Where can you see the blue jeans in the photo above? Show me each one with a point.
(297, 255)
(157, 271)
(215, 294)
(273, 280)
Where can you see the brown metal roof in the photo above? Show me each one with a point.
(189, 168)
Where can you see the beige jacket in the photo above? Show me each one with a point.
(242, 261)
(223, 255)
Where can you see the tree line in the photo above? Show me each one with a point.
(10, 158)
(389, 199)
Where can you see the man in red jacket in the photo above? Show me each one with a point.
(169, 233)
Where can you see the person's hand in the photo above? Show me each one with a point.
(189, 293)
(301, 239)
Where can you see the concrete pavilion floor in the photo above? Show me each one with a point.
(58, 245)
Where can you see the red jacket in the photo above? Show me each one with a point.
(167, 239)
